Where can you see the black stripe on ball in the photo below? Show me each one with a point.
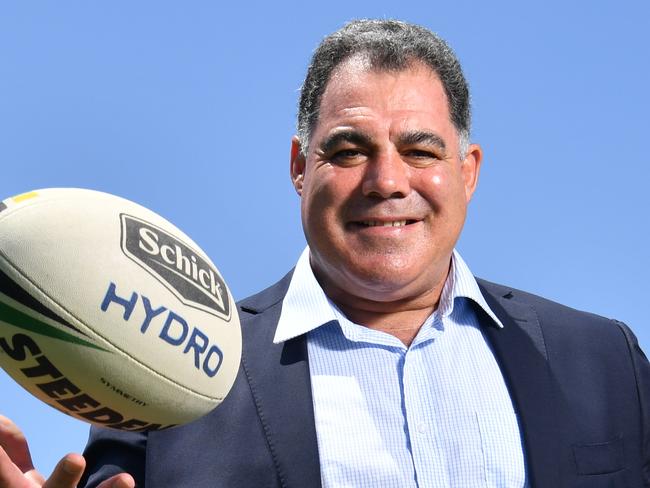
(11, 289)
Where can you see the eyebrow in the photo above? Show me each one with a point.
(421, 137)
(352, 136)
(363, 139)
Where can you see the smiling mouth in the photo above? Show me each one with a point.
(390, 223)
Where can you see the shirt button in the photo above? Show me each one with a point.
(422, 428)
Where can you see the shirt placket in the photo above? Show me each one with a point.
(428, 457)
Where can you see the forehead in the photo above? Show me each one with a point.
(358, 94)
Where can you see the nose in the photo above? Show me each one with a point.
(386, 176)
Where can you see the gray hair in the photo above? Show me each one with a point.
(388, 45)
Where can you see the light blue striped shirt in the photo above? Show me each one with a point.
(435, 414)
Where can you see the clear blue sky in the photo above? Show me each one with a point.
(188, 108)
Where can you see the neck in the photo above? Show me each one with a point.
(403, 324)
(401, 317)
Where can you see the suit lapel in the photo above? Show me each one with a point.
(278, 375)
(520, 350)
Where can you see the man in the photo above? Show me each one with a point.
(380, 360)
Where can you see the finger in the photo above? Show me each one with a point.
(13, 441)
(10, 475)
(122, 480)
(67, 472)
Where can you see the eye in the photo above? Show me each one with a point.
(348, 157)
(420, 153)
(421, 157)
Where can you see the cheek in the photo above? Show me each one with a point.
(323, 195)
(435, 177)
(443, 190)
(435, 187)
(330, 188)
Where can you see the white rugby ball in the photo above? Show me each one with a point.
(111, 314)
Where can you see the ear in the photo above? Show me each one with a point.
(471, 167)
(297, 167)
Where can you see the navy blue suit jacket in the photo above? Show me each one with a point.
(579, 382)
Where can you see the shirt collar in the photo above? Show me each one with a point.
(306, 307)
(461, 283)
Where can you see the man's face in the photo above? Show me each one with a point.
(384, 190)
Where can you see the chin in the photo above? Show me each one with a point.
(387, 282)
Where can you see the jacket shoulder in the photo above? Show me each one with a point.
(544, 307)
(266, 298)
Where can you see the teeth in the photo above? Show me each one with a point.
(376, 223)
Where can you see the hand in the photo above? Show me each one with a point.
(17, 469)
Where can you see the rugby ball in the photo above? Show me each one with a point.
(111, 314)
